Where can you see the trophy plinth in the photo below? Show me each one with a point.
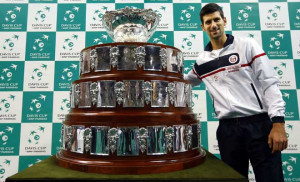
(130, 25)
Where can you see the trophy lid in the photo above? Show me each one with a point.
(130, 25)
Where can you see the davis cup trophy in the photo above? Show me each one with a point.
(130, 108)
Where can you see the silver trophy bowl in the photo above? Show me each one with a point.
(130, 25)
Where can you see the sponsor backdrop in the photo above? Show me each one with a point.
(39, 51)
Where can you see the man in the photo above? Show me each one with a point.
(246, 99)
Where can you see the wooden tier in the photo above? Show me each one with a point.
(179, 149)
(130, 165)
(130, 112)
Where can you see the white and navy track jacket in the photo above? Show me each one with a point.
(240, 80)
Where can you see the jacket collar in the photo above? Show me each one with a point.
(229, 40)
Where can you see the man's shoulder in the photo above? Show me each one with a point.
(241, 41)
(202, 57)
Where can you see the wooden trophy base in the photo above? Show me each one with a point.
(129, 166)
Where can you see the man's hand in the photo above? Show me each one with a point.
(277, 139)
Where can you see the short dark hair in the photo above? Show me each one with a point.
(210, 8)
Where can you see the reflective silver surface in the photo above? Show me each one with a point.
(126, 59)
(72, 95)
(93, 58)
(147, 89)
(130, 93)
(99, 143)
(77, 144)
(180, 144)
(106, 95)
(87, 136)
(196, 136)
(156, 143)
(172, 65)
(180, 100)
(102, 63)
(140, 54)
(169, 137)
(86, 62)
(81, 65)
(119, 90)
(113, 135)
(129, 57)
(127, 143)
(77, 94)
(130, 25)
(133, 93)
(172, 92)
(84, 97)
(189, 135)
(62, 137)
(68, 137)
(163, 57)
(94, 91)
(188, 94)
(180, 62)
(142, 136)
(114, 56)
(160, 96)
(152, 58)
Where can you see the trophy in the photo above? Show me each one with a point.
(130, 25)
(130, 108)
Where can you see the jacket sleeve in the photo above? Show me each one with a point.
(192, 78)
(266, 76)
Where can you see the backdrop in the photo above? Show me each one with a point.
(39, 51)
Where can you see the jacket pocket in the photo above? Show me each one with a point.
(258, 100)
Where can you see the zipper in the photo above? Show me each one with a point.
(213, 103)
(259, 102)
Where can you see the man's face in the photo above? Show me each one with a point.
(213, 24)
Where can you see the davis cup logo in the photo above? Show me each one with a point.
(99, 40)
(187, 42)
(7, 73)
(70, 15)
(195, 96)
(5, 135)
(65, 105)
(163, 8)
(298, 14)
(42, 14)
(186, 14)
(37, 103)
(39, 43)
(286, 95)
(279, 69)
(276, 41)
(9, 43)
(37, 73)
(68, 73)
(11, 15)
(273, 13)
(69, 42)
(161, 39)
(244, 13)
(250, 35)
(97, 16)
(2, 167)
(289, 127)
(188, 69)
(289, 166)
(35, 135)
(5, 103)
(233, 59)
